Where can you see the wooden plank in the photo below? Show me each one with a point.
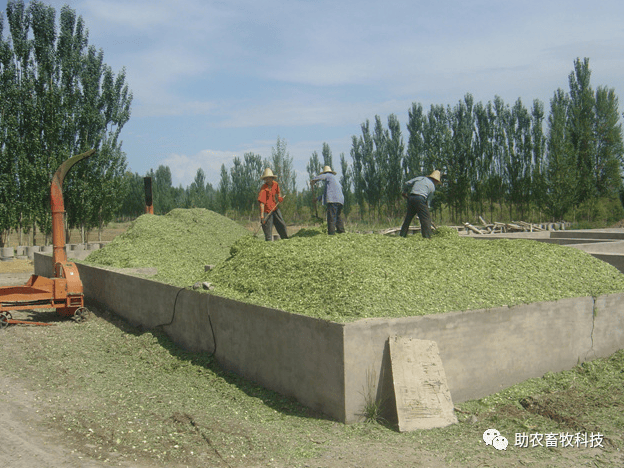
(472, 228)
(423, 399)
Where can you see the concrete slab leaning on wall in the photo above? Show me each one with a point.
(330, 367)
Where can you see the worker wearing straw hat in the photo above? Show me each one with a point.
(333, 198)
(419, 193)
(269, 212)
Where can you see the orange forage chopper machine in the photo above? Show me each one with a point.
(64, 291)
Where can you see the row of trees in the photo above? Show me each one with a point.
(492, 155)
(236, 193)
(58, 98)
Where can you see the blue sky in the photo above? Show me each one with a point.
(215, 79)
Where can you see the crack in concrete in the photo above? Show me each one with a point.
(591, 335)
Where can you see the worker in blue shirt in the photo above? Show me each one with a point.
(333, 198)
(419, 193)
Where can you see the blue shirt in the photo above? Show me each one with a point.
(333, 189)
(422, 186)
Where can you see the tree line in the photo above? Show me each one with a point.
(57, 98)
(497, 160)
(236, 193)
(494, 154)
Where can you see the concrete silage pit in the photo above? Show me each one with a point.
(327, 366)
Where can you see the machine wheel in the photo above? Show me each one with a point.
(4, 319)
(81, 314)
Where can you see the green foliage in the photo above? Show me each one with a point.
(245, 183)
(597, 212)
(374, 407)
(282, 166)
(493, 156)
(59, 99)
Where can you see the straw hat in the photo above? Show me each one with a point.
(268, 173)
(327, 169)
(435, 175)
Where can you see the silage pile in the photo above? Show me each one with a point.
(178, 244)
(352, 276)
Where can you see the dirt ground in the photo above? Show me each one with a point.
(27, 438)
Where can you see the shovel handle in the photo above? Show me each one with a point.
(271, 212)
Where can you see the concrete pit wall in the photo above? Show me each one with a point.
(332, 367)
(294, 355)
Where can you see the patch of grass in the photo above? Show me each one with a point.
(374, 407)
(124, 394)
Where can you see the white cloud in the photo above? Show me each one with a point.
(184, 167)
(133, 15)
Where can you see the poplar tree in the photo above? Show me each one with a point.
(395, 155)
(607, 165)
(413, 162)
(245, 183)
(370, 172)
(313, 168)
(282, 166)
(197, 195)
(62, 100)
(357, 156)
(562, 169)
(346, 178)
(483, 150)
(133, 204)
(518, 165)
(377, 170)
(581, 127)
(223, 191)
(497, 182)
(163, 190)
(538, 177)
(327, 156)
(460, 159)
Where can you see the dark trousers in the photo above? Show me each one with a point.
(276, 219)
(417, 205)
(334, 221)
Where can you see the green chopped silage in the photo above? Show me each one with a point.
(179, 244)
(351, 276)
